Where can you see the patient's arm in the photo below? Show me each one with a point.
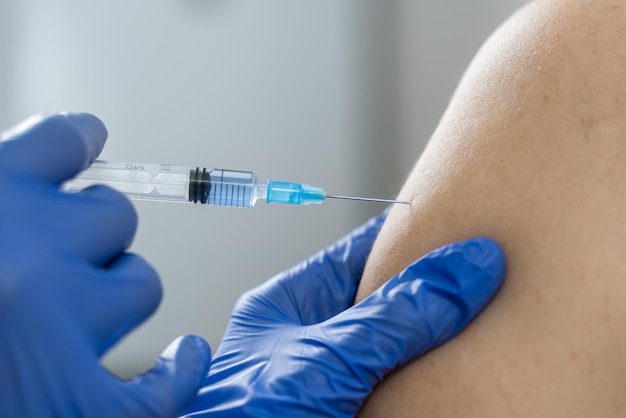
(531, 152)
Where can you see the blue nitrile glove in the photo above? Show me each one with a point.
(69, 290)
(296, 348)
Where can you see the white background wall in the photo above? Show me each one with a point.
(341, 94)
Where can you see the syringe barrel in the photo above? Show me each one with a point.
(172, 183)
(224, 188)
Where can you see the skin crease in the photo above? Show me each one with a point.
(532, 153)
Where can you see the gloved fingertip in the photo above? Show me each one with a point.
(468, 273)
(91, 128)
(175, 379)
(202, 349)
(193, 356)
(481, 256)
(486, 254)
(481, 283)
(472, 270)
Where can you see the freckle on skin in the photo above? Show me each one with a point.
(468, 389)
(546, 98)
(573, 356)
(607, 318)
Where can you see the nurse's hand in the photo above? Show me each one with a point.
(296, 348)
(68, 288)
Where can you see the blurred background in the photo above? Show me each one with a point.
(339, 94)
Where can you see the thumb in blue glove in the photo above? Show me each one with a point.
(69, 290)
(295, 347)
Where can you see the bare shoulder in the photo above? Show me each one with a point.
(531, 152)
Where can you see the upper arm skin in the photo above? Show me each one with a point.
(532, 153)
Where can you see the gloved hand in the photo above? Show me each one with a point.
(69, 290)
(296, 348)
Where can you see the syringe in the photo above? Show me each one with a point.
(199, 185)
